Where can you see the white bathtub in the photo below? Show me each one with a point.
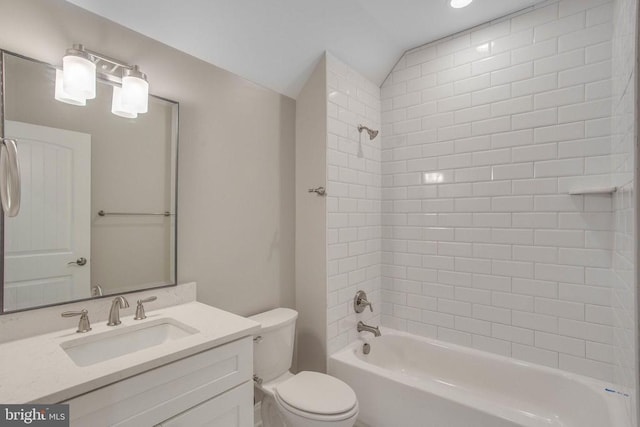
(412, 381)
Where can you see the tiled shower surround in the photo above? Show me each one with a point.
(484, 136)
(353, 202)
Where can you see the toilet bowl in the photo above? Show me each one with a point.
(306, 399)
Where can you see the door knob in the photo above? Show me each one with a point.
(80, 261)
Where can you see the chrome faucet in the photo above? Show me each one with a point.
(114, 313)
(96, 291)
(366, 328)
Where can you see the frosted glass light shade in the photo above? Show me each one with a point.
(458, 4)
(116, 105)
(62, 96)
(79, 77)
(135, 94)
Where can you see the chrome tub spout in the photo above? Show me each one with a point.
(374, 330)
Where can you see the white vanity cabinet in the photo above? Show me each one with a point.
(212, 388)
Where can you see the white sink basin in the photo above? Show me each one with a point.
(123, 340)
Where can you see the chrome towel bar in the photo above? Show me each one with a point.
(103, 213)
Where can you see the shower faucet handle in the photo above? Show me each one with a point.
(360, 302)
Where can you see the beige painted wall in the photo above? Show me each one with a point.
(311, 222)
(236, 160)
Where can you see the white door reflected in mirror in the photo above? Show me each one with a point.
(52, 231)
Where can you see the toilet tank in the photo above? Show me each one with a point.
(273, 345)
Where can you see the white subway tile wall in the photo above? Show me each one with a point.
(484, 135)
(354, 199)
(623, 315)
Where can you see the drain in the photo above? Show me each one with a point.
(366, 348)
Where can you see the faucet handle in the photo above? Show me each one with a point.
(149, 299)
(83, 325)
(140, 314)
(360, 302)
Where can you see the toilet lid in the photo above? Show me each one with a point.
(317, 393)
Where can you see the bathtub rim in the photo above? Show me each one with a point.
(615, 403)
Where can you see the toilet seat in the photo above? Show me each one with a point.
(317, 396)
(332, 418)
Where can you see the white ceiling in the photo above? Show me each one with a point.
(276, 43)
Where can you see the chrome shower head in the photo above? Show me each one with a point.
(372, 133)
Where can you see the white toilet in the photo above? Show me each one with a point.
(306, 399)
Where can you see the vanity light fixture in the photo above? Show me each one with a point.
(135, 90)
(63, 96)
(76, 82)
(116, 105)
(79, 73)
(459, 4)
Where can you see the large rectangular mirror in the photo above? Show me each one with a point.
(98, 205)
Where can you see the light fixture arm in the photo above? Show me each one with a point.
(79, 50)
(109, 68)
(105, 58)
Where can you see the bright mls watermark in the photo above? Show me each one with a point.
(34, 415)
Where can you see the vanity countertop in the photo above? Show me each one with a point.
(37, 369)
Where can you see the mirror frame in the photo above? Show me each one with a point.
(175, 136)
